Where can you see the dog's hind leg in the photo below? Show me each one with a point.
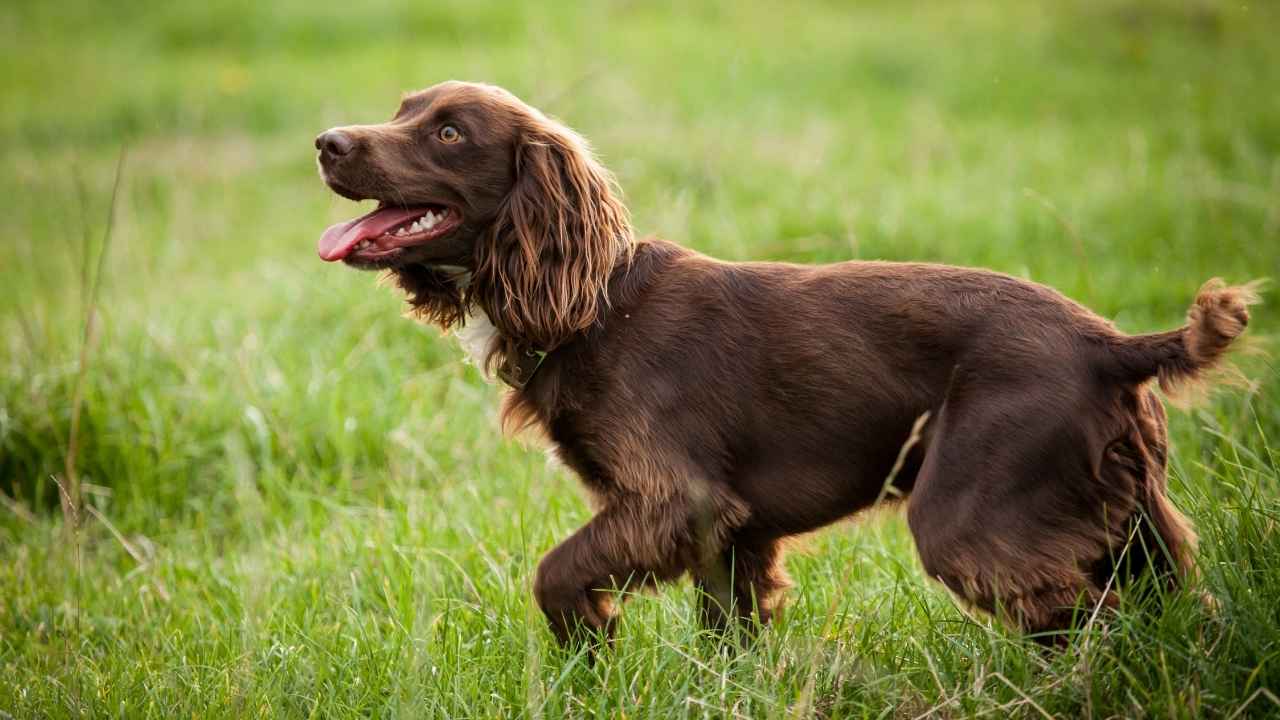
(1011, 511)
(1161, 539)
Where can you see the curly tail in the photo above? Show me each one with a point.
(1219, 315)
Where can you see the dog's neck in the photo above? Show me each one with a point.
(479, 338)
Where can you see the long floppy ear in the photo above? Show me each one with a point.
(542, 272)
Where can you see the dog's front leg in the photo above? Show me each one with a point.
(742, 583)
(633, 542)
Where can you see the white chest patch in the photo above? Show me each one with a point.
(477, 334)
(476, 337)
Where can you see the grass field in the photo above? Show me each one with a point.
(296, 503)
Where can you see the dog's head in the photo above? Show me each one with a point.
(467, 175)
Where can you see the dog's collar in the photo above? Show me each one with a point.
(518, 367)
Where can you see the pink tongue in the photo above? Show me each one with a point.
(337, 242)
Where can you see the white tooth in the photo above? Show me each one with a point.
(402, 231)
(429, 221)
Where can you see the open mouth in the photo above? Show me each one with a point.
(386, 231)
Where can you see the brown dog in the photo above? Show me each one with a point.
(713, 409)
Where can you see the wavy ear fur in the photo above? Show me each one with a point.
(542, 271)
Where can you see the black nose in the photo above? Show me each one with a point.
(334, 143)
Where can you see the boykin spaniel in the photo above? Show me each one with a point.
(713, 409)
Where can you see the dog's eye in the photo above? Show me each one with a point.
(449, 134)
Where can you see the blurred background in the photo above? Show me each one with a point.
(268, 453)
